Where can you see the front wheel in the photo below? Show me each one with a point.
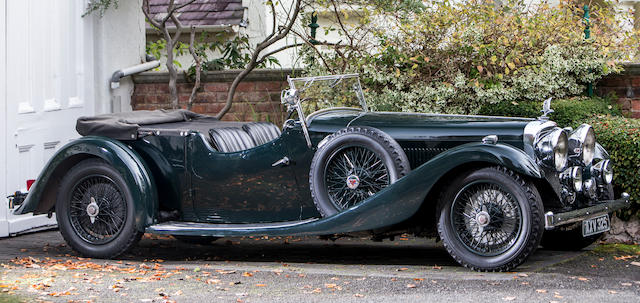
(95, 210)
(490, 219)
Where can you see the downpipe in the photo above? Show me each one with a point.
(127, 71)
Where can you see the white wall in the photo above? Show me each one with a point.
(119, 41)
(4, 225)
(54, 67)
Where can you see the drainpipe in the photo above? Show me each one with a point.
(127, 71)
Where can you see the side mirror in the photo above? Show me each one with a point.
(289, 97)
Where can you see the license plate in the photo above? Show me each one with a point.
(595, 225)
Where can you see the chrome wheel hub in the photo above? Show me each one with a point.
(353, 181)
(483, 218)
(92, 210)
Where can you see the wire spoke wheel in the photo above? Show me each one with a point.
(486, 218)
(353, 174)
(97, 209)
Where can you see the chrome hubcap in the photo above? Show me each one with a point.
(483, 218)
(92, 210)
(353, 181)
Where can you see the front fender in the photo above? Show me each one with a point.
(498, 154)
(42, 196)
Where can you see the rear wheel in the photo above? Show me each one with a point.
(95, 210)
(490, 219)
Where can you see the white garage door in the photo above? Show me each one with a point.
(44, 71)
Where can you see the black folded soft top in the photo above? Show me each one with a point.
(125, 125)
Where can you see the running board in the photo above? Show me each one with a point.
(220, 230)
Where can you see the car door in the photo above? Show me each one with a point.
(249, 186)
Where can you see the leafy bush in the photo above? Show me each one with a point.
(567, 112)
(455, 56)
(621, 137)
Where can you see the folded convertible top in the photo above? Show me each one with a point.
(124, 126)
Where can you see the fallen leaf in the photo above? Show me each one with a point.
(358, 296)
(523, 275)
(542, 291)
(401, 269)
(261, 285)
(623, 257)
(411, 286)
(613, 292)
(418, 279)
(247, 274)
(330, 285)
(583, 279)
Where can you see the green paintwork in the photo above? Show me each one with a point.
(393, 204)
(181, 171)
(127, 161)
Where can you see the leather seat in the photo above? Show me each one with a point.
(231, 139)
(262, 132)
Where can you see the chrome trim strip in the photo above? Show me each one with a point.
(552, 220)
(172, 226)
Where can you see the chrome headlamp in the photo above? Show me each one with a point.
(603, 171)
(553, 149)
(582, 143)
(572, 177)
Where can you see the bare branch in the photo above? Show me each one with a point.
(269, 40)
(154, 23)
(172, 9)
(273, 21)
(198, 69)
(178, 24)
(344, 30)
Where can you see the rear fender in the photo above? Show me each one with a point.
(42, 196)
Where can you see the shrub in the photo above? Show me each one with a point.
(621, 137)
(567, 112)
(455, 56)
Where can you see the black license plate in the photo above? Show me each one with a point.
(595, 225)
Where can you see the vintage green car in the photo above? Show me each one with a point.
(491, 188)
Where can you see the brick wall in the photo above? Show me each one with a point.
(257, 98)
(626, 88)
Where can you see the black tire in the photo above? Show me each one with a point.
(364, 145)
(112, 230)
(569, 238)
(495, 199)
(200, 240)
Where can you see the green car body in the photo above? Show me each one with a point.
(489, 187)
(180, 171)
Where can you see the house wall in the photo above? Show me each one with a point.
(257, 98)
(56, 67)
(625, 87)
(119, 42)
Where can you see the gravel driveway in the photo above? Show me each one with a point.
(40, 266)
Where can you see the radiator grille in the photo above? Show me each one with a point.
(419, 155)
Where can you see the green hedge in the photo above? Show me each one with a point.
(567, 112)
(621, 137)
